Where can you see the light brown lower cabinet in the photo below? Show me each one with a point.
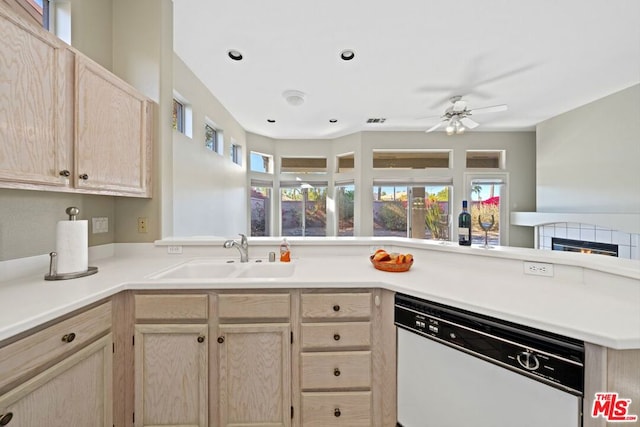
(75, 392)
(171, 370)
(352, 409)
(254, 375)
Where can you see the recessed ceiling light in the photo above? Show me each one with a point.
(271, 121)
(235, 55)
(347, 55)
(333, 120)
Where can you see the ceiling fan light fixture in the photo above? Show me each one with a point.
(451, 128)
(294, 97)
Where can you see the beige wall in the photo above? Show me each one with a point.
(91, 29)
(28, 220)
(588, 159)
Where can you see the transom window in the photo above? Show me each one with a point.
(421, 159)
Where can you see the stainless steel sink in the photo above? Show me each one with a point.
(221, 269)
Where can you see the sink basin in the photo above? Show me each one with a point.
(220, 269)
(266, 270)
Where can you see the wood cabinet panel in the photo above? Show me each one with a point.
(172, 307)
(21, 357)
(336, 370)
(336, 306)
(254, 306)
(171, 369)
(337, 335)
(348, 409)
(112, 133)
(75, 392)
(35, 105)
(254, 374)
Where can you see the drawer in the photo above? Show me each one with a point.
(23, 356)
(336, 335)
(254, 306)
(348, 409)
(172, 307)
(336, 370)
(336, 306)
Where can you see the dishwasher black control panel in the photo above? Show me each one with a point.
(547, 357)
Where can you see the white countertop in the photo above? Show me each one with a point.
(582, 302)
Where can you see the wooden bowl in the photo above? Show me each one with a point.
(391, 267)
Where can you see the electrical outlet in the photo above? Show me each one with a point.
(142, 224)
(99, 225)
(174, 249)
(538, 268)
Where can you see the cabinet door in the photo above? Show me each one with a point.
(75, 392)
(255, 375)
(171, 375)
(112, 133)
(36, 112)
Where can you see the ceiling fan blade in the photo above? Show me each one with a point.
(492, 109)
(434, 127)
(468, 123)
(459, 106)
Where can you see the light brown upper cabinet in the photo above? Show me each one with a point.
(36, 106)
(66, 123)
(112, 133)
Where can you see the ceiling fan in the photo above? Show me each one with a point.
(456, 116)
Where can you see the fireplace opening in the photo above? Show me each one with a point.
(584, 247)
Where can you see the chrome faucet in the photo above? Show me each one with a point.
(242, 247)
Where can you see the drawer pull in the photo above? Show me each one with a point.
(220, 340)
(201, 339)
(336, 307)
(65, 173)
(336, 372)
(67, 338)
(6, 418)
(336, 337)
(336, 412)
(84, 177)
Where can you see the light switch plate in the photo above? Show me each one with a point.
(99, 225)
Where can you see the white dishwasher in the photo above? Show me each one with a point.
(458, 369)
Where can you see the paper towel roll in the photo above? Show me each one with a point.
(72, 246)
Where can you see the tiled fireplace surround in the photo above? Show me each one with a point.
(628, 243)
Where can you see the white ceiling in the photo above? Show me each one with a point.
(541, 57)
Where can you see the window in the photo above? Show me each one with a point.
(421, 159)
(345, 163)
(485, 159)
(304, 210)
(213, 138)
(411, 210)
(38, 10)
(345, 195)
(178, 116)
(261, 162)
(260, 208)
(236, 154)
(303, 164)
(487, 203)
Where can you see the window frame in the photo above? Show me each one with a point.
(487, 177)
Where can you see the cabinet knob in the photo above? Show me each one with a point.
(84, 177)
(5, 418)
(201, 339)
(68, 338)
(336, 372)
(65, 173)
(336, 307)
(220, 340)
(337, 412)
(336, 337)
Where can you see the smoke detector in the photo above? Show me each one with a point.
(294, 97)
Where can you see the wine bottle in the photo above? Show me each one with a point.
(464, 226)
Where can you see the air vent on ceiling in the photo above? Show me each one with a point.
(376, 120)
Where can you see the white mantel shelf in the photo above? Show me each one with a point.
(628, 223)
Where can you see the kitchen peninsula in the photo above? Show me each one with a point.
(590, 298)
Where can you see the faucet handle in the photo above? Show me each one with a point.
(243, 239)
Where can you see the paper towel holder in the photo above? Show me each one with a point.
(73, 212)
